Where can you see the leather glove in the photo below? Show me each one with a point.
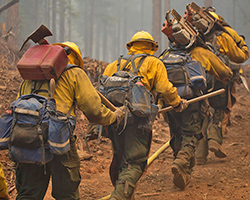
(119, 112)
(182, 106)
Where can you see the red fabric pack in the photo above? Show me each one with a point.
(42, 62)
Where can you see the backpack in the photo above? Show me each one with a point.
(36, 130)
(5, 126)
(186, 74)
(219, 101)
(29, 130)
(124, 87)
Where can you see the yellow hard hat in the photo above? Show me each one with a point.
(143, 36)
(76, 55)
(214, 15)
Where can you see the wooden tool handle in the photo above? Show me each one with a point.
(52, 88)
(106, 102)
(205, 96)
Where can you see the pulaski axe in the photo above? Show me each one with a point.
(38, 36)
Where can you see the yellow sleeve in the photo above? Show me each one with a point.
(25, 88)
(75, 84)
(238, 39)
(3, 185)
(213, 65)
(229, 47)
(112, 68)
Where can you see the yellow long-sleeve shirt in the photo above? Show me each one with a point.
(213, 65)
(154, 74)
(236, 53)
(74, 84)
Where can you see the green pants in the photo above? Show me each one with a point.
(185, 131)
(32, 180)
(130, 153)
(219, 105)
(215, 129)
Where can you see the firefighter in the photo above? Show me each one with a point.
(131, 147)
(232, 50)
(186, 128)
(3, 186)
(73, 85)
(238, 55)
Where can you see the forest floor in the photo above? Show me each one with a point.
(218, 179)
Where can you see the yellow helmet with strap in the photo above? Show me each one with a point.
(143, 36)
(75, 57)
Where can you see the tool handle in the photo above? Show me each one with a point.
(106, 102)
(52, 88)
(205, 96)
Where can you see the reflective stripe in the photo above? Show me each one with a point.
(53, 144)
(62, 118)
(4, 139)
(25, 111)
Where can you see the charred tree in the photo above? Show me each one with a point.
(7, 5)
(86, 29)
(69, 20)
(166, 8)
(91, 28)
(157, 22)
(62, 20)
(12, 25)
(47, 12)
(54, 11)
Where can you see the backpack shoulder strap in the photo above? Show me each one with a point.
(37, 84)
(131, 58)
(163, 53)
(35, 89)
(126, 57)
(70, 66)
(140, 63)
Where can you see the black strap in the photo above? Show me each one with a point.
(70, 109)
(131, 59)
(163, 53)
(69, 66)
(119, 62)
(139, 65)
(35, 90)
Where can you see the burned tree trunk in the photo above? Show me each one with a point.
(157, 21)
(62, 21)
(166, 8)
(12, 24)
(7, 5)
(54, 11)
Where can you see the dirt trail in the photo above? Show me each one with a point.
(221, 179)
